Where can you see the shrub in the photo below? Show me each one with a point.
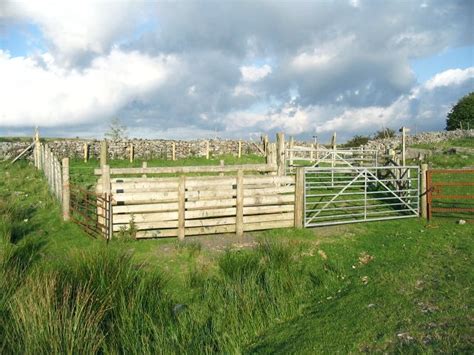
(385, 133)
(356, 141)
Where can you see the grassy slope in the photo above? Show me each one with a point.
(418, 280)
(418, 294)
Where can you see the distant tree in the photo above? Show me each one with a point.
(385, 133)
(117, 130)
(462, 114)
(357, 141)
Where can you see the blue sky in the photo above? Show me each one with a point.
(191, 69)
(460, 57)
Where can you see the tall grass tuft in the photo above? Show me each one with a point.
(102, 302)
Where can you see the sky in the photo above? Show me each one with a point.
(232, 69)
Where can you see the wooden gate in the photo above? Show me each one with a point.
(450, 193)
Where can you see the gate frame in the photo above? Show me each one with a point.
(363, 171)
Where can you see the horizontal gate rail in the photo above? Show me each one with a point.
(337, 195)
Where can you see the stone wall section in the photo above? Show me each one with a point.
(146, 149)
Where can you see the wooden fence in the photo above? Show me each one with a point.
(47, 162)
(185, 205)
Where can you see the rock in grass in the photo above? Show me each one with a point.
(179, 308)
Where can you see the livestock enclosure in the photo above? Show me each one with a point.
(298, 186)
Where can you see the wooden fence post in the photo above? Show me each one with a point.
(423, 191)
(132, 152)
(66, 191)
(181, 207)
(41, 157)
(265, 143)
(86, 152)
(239, 219)
(290, 153)
(59, 179)
(173, 151)
(281, 154)
(37, 149)
(240, 149)
(221, 163)
(299, 197)
(334, 147)
(404, 131)
(103, 153)
(144, 165)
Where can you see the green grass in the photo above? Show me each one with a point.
(467, 142)
(398, 286)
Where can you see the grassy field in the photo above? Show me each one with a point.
(460, 142)
(399, 286)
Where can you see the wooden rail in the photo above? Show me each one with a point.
(184, 206)
(262, 168)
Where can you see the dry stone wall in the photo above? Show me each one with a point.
(159, 148)
(420, 138)
(143, 148)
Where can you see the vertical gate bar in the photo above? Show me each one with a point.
(428, 191)
(365, 195)
(304, 196)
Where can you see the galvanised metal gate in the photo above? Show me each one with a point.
(310, 157)
(360, 194)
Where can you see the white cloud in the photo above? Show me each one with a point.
(79, 27)
(46, 94)
(254, 73)
(450, 77)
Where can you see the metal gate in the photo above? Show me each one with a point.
(450, 193)
(310, 157)
(360, 194)
(91, 211)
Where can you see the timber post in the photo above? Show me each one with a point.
(290, 152)
(423, 190)
(103, 153)
(299, 197)
(86, 152)
(239, 220)
(132, 152)
(181, 207)
(66, 203)
(280, 154)
(144, 165)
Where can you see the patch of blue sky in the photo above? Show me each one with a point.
(22, 39)
(452, 58)
(148, 25)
